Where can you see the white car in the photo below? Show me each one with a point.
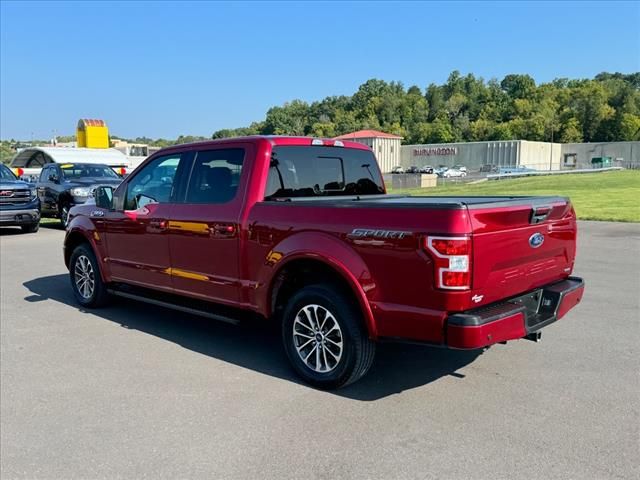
(454, 172)
(462, 168)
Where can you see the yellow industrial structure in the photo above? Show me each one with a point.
(92, 133)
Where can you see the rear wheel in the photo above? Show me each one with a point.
(325, 339)
(88, 287)
(31, 228)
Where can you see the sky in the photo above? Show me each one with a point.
(190, 68)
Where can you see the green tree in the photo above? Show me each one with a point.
(630, 127)
(518, 86)
(590, 107)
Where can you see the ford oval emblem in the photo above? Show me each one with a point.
(536, 240)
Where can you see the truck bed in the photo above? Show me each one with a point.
(427, 201)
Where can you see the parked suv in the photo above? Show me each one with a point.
(301, 231)
(19, 204)
(61, 186)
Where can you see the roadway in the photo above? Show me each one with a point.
(134, 391)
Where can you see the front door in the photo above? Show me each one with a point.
(204, 228)
(46, 189)
(136, 231)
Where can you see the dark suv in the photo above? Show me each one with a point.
(19, 205)
(61, 186)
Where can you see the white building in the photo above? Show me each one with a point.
(385, 146)
(524, 153)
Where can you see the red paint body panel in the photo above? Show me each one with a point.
(393, 279)
(508, 328)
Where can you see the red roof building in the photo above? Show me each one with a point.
(367, 134)
(385, 146)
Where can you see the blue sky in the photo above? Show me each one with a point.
(168, 68)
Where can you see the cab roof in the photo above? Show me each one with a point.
(274, 140)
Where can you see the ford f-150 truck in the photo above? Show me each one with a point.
(302, 231)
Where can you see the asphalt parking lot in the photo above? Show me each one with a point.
(134, 391)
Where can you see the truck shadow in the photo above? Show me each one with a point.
(256, 346)
(10, 231)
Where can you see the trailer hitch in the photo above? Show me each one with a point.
(534, 337)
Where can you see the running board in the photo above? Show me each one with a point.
(173, 306)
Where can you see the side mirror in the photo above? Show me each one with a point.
(104, 197)
(53, 178)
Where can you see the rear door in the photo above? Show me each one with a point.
(521, 245)
(204, 230)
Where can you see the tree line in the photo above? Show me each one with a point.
(467, 108)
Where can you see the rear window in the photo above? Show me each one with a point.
(315, 171)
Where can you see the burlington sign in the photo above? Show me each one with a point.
(435, 151)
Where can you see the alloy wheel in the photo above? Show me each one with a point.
(84, 276)
(317, 338)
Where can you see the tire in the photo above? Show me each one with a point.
(337, 367)
(31, 228)
(64, 215)
(92, 293)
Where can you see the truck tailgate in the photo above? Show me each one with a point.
(520, 246)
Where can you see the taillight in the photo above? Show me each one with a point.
(452, 260)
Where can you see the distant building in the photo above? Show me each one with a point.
(92, 133)
(133, 149)
(37, 157)
(385, 146)
(512, 153)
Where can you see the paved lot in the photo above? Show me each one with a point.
(134, 391)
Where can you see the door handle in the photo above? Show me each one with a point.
(158, 224)
(224, 229)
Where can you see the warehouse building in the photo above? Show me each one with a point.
(386, 146)
(523, 153)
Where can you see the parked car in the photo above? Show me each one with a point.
(453, 172)
(426, 169)
(489, 168)
(440, 170)
(397, 169)
(462, 168)
(302, 233)
(412, 169)
(517, 169)
(61, 186)
(19, 204)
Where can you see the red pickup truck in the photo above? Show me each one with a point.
(302, 231)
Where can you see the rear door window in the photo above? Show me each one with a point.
(313, 171)
(215, 176)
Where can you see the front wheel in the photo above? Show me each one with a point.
(88, 287)
(64, 215)
(325, 339)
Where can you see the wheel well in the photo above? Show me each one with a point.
(64, 199)
(73, 240)
(301, 273)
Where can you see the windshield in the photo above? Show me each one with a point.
(6, 174)
(75, 170)
(313, 171)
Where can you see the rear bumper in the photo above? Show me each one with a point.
(515, 318)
